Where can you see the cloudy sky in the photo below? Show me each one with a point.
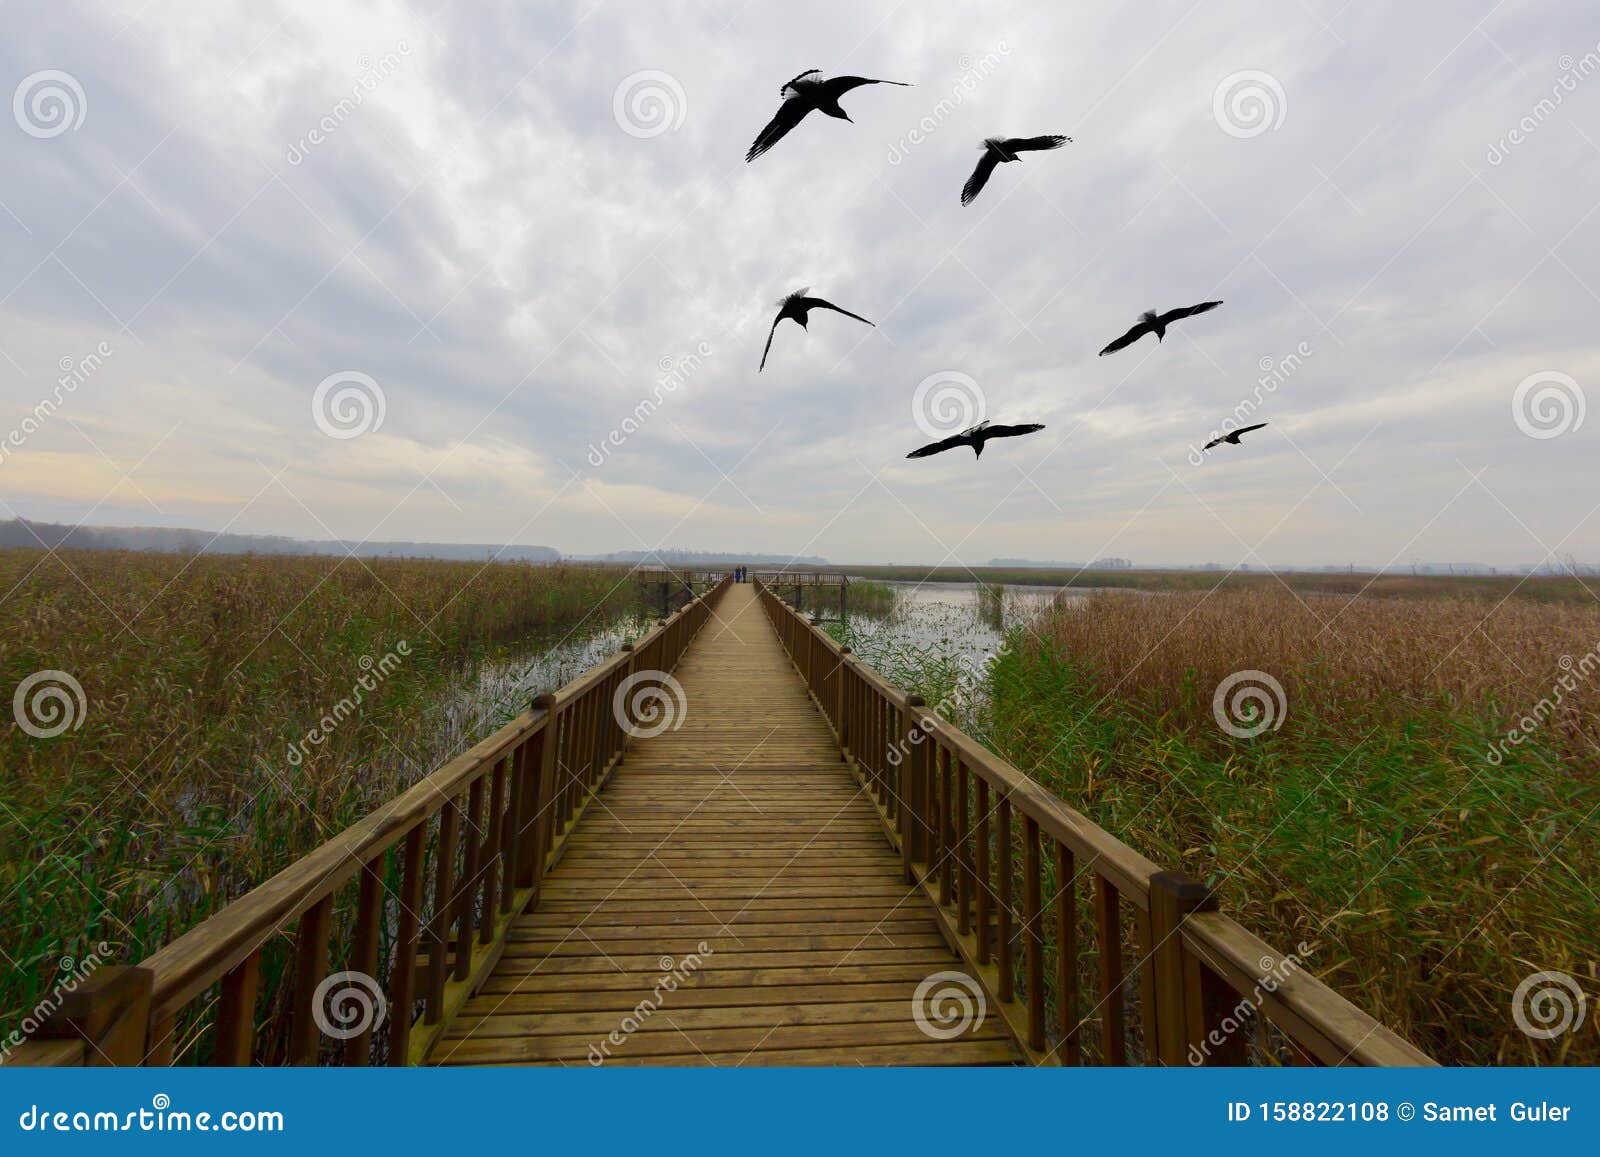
(494, 229)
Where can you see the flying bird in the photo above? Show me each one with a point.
(1156, 323)
(807, 92)
(1233, 438)
(795, 307)
(997, 151)
(975, 436)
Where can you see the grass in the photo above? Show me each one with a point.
(1430, 875)
(877, 599)
(192, 775)
(1543, 588)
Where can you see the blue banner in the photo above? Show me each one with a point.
(799, 1110)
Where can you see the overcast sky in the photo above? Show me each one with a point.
(509, 217)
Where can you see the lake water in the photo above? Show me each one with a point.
(948, 627)
(940, 638)
(500, 689)
(957, 617)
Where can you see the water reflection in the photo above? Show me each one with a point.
(500, 688)
(969, 619)
(938, 639)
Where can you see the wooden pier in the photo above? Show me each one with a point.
(730, 844)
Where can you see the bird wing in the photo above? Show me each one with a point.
(980, 176)
(938, 447)
(1175, 314)
(818, 303)
(1247, 429)
(1127, 339)
(1215, 442)
(1035, 144)
(809, 76)
(1012, 431)
(790, 113)
(839, 85)
(768, 350)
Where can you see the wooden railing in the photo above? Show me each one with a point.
(437, 876)
(1045, 907)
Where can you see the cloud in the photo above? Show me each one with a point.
(261, 195)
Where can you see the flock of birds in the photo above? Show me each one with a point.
(812, 92)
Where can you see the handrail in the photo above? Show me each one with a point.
(469, 846)
(1000, 857)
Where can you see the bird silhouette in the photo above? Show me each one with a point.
(974, 436)
(999, 150)
(795, 307)
(1233, 438)
(1156, 323)
(807, 92)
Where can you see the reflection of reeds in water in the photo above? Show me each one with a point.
(992, 606)
(873, 599)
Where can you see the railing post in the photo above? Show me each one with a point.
(626, 673)
(107, 1014)
(310, 966)
(909, 756)
(1180, 1018)
(234, 1036)
(841, 717)
(403, 977)
(546, 800)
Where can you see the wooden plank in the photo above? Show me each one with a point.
(708, 996)
(948, 1053)
(499, 1050)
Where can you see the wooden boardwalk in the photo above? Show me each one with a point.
(728, 890)
(741, 831)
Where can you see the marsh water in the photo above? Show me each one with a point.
(938, 638)
(495, 689)
(945, 632)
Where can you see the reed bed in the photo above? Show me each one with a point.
(1384, 817)
(875, 599)
(236, 712)
(1527, 588)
